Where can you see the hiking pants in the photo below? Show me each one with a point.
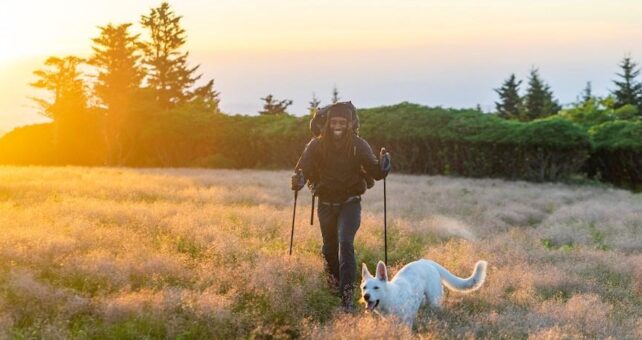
(339, 224)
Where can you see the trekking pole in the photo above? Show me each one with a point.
(385, 224)
(296, 194)
(293, 215)
(385, 209)
(312, 212)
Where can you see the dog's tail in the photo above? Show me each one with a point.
(464, 285)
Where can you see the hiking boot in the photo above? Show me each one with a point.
(347, 302)
(348, 307)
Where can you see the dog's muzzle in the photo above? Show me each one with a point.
(371, 305)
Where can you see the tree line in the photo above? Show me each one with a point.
(539, 101)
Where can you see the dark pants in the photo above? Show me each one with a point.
(339, 224)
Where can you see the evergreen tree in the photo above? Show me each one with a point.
(335, 95)
(66, 86)
(208, 96)
(587, 94)
(314, 104)
(510, 104)
(168, 72)
(539, 101)
(117, 57)
(273, 106)
(68, 108)
(553, 104)
(629, 90)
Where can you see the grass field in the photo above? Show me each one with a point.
(128, 253)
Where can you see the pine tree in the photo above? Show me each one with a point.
(117, 57)
(208, 96)
(314, 105)
(66, 86)
(629, 90)
(273, 106)
(510, 104)
(335, 95)
(587, 94)
(553, 105)
(68, 109)
(539, 101)
(168, 73)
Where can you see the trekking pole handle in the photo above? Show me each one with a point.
(300, 179)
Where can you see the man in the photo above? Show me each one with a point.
(333, 162)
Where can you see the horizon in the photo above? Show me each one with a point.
(431, 53)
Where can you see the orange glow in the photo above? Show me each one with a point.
(222, 35)
(42, 28)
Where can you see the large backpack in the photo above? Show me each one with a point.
(317, 123)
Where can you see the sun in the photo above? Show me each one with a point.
(14, 36)
(28, 33)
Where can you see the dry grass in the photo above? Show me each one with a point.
(124, 253)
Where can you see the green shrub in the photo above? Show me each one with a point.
(469, 143)
(617, 153)
(421, 139)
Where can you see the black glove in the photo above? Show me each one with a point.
(298, 181)
(384, 161)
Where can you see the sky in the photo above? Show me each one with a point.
(449, 53)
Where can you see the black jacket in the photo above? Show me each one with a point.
(339, 176)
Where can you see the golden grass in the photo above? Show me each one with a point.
(127, 253)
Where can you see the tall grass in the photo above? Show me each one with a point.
(124, 253)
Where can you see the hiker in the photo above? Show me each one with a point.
(334, 164)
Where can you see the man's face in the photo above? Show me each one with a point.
(339, 126)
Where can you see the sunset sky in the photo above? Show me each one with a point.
(448, 53)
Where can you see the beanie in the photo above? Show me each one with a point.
(340, 110)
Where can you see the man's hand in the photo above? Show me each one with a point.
(384, 161)
(298, 181)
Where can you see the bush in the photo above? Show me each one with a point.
(469, 143)
(617, 153)
(421, 140)
(48, 144)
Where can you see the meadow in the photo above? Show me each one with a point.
(191, 253)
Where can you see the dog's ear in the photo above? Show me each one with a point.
(365, 273)
(382, 272)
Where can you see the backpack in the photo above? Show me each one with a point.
(317, 123)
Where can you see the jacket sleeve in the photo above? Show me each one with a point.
(306, 161)
(368, 160)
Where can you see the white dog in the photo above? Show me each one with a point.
(415, 283)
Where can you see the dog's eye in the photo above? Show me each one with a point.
(376, 287)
